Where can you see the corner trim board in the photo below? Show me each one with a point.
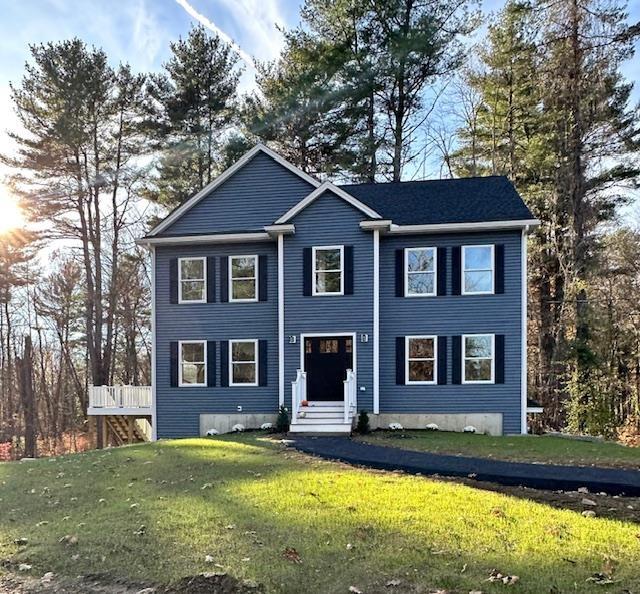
(523, 330)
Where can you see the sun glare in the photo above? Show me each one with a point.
(10, 213)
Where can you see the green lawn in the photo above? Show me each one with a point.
(529, 448)
(153, 512)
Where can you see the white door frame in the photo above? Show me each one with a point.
(352, 335)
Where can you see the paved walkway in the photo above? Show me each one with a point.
(538, 476)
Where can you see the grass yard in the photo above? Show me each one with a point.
(293, 523)
(526, 448)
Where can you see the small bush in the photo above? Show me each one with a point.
(282, 422)
(363, 423)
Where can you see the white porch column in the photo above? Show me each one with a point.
(280, 319)
(376, 321)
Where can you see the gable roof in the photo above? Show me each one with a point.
(434, 202)
(327, 187)
(176, 213)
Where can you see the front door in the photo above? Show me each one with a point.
(326, 360)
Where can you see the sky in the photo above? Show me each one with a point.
(139, 32)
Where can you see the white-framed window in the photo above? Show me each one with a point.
(420, 270)
(477, 269)
(243, 362)
(192, 363)
(421, 359)
(192, 280)
(243, 278)
(328, 270)
(478, 358)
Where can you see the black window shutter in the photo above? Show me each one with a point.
(224, 363)
(455, 270)
(262, 363)
(442, 360)
(173, 354)
(173, 280)
(211, 363)
(348, 270)
(211, 279)
(400, 273)
(456, 359)
(499, 342)
(263, 278)
(499, 267)
(442, 270)
(400, 360)
(224, 279)
(307, 271)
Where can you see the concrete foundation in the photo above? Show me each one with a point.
(489, 423)
(223, 422)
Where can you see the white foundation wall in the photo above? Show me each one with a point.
(489, 423)
(224, 422)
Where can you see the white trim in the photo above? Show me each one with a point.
(523, 330)
(483, 226)
(255, 362)
(352, 335)
(314, 291)
(154, 350)
(281, 320)
(380, 224)
(248, 156)
(231, 279)
(432, 382)
(493, 359)
(463, 269)
(434, 272)
(327, 187)
(376, 321)
(280, 229)
(203, 280)
(534, 410)
(180, 383)
(201, 239)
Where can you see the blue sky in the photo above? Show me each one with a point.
(139, 31)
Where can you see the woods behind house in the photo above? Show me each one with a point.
(362, 91)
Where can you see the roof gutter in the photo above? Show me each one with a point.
(204, 239)
(463, 227)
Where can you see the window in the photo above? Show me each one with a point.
(420, 272)
(243, 278)
(478, 358)
(193, 363)
(243, 363)
(327, 270)
(421, 359)
(192, 280)
(328, 346)
(477, 269)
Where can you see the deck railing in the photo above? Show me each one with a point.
(120, 397)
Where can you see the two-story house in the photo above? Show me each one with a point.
(407, 300)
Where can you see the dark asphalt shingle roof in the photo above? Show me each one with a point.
(463, 200)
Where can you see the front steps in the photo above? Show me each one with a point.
(322, 418)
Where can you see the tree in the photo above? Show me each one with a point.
(195, 99)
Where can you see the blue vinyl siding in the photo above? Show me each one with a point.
(330, 221)
(179, 409)
(452, 315)
(255, 196)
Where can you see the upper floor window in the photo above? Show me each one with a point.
(478, 365)
(243, 278)
(328, 270)
(477, 269)
(420, 272)
(192, 283)
(243, 363)
(421, 359)
(193, 363)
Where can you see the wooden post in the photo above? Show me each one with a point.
(130, 435)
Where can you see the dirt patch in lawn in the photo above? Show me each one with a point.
(206, 583)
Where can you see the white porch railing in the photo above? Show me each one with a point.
(120, 397)
(350, 395)
(298, 393)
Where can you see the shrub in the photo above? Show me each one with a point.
(266, 426)
(396, 427)
(282, 422)
(432, 427)
(212, 432)
(363, 423)
(237, 428)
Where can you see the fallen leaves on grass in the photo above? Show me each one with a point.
(290, 554)
(508, 580)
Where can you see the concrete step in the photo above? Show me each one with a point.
(320, 414)
(328, 408)
(318, 421)
(311, 429)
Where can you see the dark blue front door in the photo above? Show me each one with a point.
(326, 360)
